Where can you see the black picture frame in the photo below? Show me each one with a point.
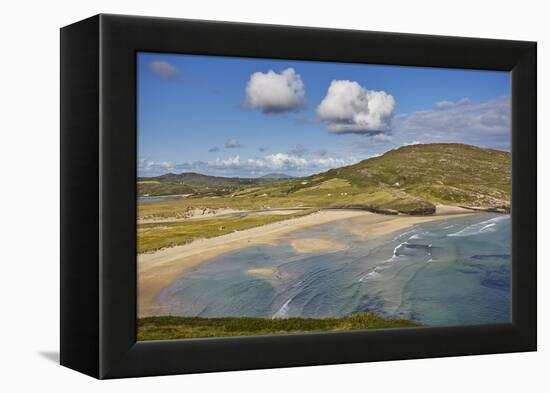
(98, 195)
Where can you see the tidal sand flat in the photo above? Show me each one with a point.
(454, 270)
(159, 269)
(318, 245)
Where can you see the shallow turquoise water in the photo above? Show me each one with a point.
(449, 272)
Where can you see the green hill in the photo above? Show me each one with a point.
(411, 179)
(195, 183)
(416, 177)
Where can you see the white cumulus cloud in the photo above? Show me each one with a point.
(248, 167)
(273, 92)
(285, 161)
(350, 108)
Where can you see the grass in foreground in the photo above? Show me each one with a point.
(170, 328)
(152, 237)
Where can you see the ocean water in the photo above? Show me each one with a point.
(451, 272)
(160, 198)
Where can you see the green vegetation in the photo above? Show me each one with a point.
(415, 178)
(151, 187)
(154, 236)
(411, 179)
(169, 328)
(195, 183)
(180, 208)
(437, 173)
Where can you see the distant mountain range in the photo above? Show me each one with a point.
(276, 176)
(196, 183)
(198, 179)
(410, 179)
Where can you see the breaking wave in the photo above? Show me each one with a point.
(480, 227)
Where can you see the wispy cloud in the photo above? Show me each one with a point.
(459, 118)
(213, 149)
(410, 143)
(297, 150)
(232, 143)
(164, 70)
(150, 167)
(381, 137)
(451, 104)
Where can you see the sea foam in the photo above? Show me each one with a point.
(480, 227)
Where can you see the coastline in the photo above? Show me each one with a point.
(158, 270)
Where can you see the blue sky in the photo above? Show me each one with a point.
(231, 116)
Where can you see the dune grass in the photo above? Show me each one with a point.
(145, 188)
(170, 328)
(154, 236)
(333, 194)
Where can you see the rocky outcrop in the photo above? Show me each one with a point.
(424, 210)
(368, 208)
(503, 209)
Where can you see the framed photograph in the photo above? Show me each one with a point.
(240, 196)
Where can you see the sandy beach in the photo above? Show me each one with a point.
(158, 270)
(381, 224)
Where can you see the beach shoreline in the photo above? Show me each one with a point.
(160, 269)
